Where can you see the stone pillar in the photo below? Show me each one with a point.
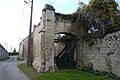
(49, 38)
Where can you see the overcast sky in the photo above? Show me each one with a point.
(15, 15)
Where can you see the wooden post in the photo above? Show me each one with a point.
(30, 53)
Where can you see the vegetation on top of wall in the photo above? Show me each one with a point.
(107, 13)
(93, 21)
(98, 18)
(71, 17)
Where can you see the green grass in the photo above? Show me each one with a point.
(61, 75)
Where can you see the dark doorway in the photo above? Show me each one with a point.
(66, 58)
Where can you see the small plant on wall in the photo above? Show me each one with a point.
(88, 67)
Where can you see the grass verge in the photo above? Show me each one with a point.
(61, 75)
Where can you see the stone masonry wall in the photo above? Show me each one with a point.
(39, 45)
(43, 39)
(61, 25)
(23, 48)
(105, 53)
(102, 53)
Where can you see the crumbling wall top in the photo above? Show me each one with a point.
(49, 7)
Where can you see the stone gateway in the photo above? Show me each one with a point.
(54, 46)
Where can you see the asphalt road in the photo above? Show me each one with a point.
(10, 71)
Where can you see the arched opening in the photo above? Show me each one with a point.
(66, 57)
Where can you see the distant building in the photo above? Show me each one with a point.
(3, 52)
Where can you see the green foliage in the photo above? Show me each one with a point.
(118, 78)
(11, 53)
(103, 16)
(105, 73)
(71, 17)
(106, 12)
(100, 73)
(61, 75)
(112, 75)
(14, 52)
(88, 67)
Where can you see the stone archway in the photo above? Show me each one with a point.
(66, 57)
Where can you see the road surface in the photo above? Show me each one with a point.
(10, 71)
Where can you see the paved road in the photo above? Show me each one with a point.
(10, 71)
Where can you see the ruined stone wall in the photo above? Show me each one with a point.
(39, 45)
(105, 53)
(61, 25)
(43, 39)
(23, 49)
(36, 47)
(102, 53)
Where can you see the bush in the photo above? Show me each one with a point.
(100, 73)
(11, 53)
(118, 78)
(88, 67)
(112, 75)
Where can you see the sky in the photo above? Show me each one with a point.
(15, 18)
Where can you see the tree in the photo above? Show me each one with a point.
(14, 51)
(94, 20)
(107, 12)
